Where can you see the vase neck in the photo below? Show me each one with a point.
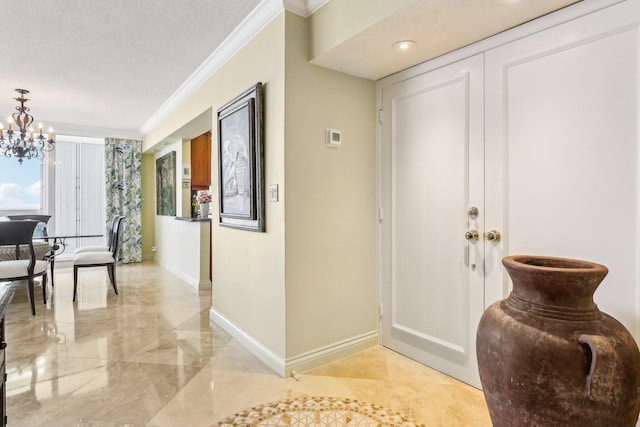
(562, 289)
(553, 312)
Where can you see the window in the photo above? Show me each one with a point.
(20, 185)
(71, 188)
(79, 196)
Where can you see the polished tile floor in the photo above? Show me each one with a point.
(151, 357)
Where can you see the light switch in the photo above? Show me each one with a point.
(273, 193)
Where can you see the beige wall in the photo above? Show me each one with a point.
(330, 201)
(308, 282)
(148, 179)
(183, 249)
(247, 267)
(338, 21)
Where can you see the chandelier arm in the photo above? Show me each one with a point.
(22, 117)
(22, 143)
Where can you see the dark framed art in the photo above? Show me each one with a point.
(166, 184)
(241, 161)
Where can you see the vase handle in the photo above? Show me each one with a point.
(602, 361)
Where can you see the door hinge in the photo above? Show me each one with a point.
(380, 116)
(380, 215)
(380, 312)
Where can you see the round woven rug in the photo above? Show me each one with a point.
(318, 411)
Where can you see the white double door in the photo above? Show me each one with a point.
(541, 137)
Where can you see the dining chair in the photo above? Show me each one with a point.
(41, 228)
(19, 234)
(109, 241)
(44, 250)
(107, 259)
(41, 231)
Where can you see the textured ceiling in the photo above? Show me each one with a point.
(104, 68)
(107, 64)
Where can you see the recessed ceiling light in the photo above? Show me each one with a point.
(404, 44)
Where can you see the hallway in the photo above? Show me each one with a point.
(151, 357)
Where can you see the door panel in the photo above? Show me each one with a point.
(432, 173)
(559, 135)
(562, 152)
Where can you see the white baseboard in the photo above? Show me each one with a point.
(262, 352)
(303, 362)
(189, 280)
(204, 284)
(332, 352)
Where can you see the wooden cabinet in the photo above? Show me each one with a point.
(201, 162)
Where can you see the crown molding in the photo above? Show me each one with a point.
(314, 5)
(304, 8)
(261, 16)
(69, 129)
(296, 6)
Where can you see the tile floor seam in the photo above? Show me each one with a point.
(158, 318)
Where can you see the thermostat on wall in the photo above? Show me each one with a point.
(333, 138)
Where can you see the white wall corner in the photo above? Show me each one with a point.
(262, 352)
(185, 277)
(331, 353)
(304, 8)
(204, 284)
(303, 362)
(314, 5)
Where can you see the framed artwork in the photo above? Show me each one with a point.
(166, 184)
(186, 171)
(241, 161)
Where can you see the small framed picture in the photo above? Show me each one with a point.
(166, 184)
(186, 171)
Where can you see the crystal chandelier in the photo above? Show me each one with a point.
(22, 143)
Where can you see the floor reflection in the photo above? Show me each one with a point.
(151, 357)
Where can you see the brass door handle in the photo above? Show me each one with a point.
(471, 235)
(492, 236)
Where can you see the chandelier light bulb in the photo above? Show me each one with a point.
(18, 144)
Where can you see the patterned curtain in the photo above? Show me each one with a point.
(123, 164)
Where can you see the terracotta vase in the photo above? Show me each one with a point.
(548, 357)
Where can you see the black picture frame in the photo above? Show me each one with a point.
(241, 161)
(166, 184)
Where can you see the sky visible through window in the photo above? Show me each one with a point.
(19, 184)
